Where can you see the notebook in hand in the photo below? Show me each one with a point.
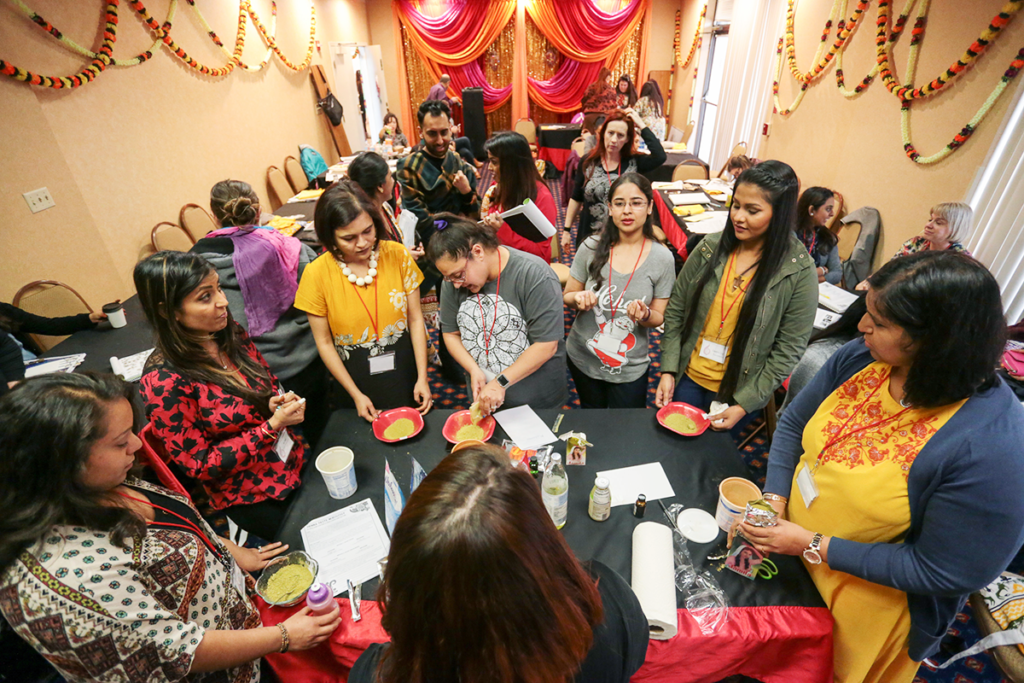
(528, 221)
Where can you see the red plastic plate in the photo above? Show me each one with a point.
(461, 418)
(689, 411)
(389, 417)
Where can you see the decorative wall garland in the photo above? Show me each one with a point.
(104, 58)
(886, 36)
(695, 45)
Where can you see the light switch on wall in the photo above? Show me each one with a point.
(39, 200)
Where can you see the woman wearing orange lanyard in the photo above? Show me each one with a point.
(501, 315)
(898, 471)
(742, 309)
(109, 577)
(621, 270)
(363, 302)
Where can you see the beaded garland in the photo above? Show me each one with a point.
(364, 281)
(885, 38)
(104, 57)
(695, 45)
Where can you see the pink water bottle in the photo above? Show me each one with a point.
(320, 599)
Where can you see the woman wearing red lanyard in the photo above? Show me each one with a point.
(743, 306)
(213, 400)
(501, 315)
(620, 282)
(111, 578)
(898, 470)
(363, 302)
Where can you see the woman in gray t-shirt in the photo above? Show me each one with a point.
(619, 283)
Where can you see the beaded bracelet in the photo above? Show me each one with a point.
(285, 640)
(775, 496)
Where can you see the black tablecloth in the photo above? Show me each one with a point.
(695, 467)
(664, 172)
(101, 343)
(558, 135)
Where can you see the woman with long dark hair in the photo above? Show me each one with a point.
(508, 600)
(743, 306)
(651, 108)
(599, 97)
(614, 154)
(128, 572)
(516, 181)
(371, 172)
(813, 212)
(619, 283)
(392, 131)
(363, 301)
(625, 92)
(213, 400)
(898, 470)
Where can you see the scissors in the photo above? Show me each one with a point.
(766, 569)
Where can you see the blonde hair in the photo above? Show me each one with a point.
(959, 216)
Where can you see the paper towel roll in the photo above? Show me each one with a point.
(654, 578)
(118, 369)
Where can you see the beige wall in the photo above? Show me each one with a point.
(382, 33)
(683, 82)
(855, 147)
(126, 151)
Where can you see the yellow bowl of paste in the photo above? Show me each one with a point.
(286, 579)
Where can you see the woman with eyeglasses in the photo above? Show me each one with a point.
(501, 316)
(619, 283)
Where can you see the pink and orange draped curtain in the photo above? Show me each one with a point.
(588, 37)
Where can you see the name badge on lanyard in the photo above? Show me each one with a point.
(382, 363)
(714, 351)
(808, 487)
(284, 444)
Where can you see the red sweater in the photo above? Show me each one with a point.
(510, 238)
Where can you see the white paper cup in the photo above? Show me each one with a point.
(337, 465)
(115, 316)
(733, 495)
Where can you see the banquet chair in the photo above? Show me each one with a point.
(167, 236)
(528, 129)
(688, 131)
(691, 169)
(197, 221)
(50, 299)
(280, 189)
(740, 148)
(675, 135)
(296, 176)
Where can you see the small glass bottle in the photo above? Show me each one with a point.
(640, 506)
(600, 507)
(555, 491)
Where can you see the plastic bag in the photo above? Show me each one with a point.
(707, 603)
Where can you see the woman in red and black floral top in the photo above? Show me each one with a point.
(212, 398)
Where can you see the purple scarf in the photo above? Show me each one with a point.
(266, 265)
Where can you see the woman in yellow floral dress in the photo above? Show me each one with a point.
(899, 469)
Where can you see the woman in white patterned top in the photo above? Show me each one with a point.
(111, 578)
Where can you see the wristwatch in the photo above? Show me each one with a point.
(503, 381)
(812, 553)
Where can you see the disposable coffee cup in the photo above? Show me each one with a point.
(337, 466)
(733, 495)
(115, 314)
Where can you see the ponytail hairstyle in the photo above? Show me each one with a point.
(455, 237)
(234, 204)
(779, 185)
(812, 199)
(609, 237)
(163, 281)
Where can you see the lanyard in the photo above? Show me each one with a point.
(813, 241)
(840, 437)
(725, 289)
(488, 335)
(618, 171)
(188, 525)
(376, 291)
(393, 230)
(611, 256)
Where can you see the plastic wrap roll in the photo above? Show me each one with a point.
(654, 578)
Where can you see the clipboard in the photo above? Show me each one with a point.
(528, 221)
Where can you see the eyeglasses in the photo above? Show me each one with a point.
(459, 277)
(634, 204)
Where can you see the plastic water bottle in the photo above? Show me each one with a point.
(600, 507)
(555, 491)
(320, 599)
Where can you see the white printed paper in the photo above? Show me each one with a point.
(525, 427)
(689, 198)
(284, 444)
(46, 366)
(715, 222)
(347, 544)
(626, 483)
(824, 318)
(666, 185)
(833, 297)
(130, 367)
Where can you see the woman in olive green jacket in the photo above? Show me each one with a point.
(743, 306)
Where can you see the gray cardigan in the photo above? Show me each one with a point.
(966, 491)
